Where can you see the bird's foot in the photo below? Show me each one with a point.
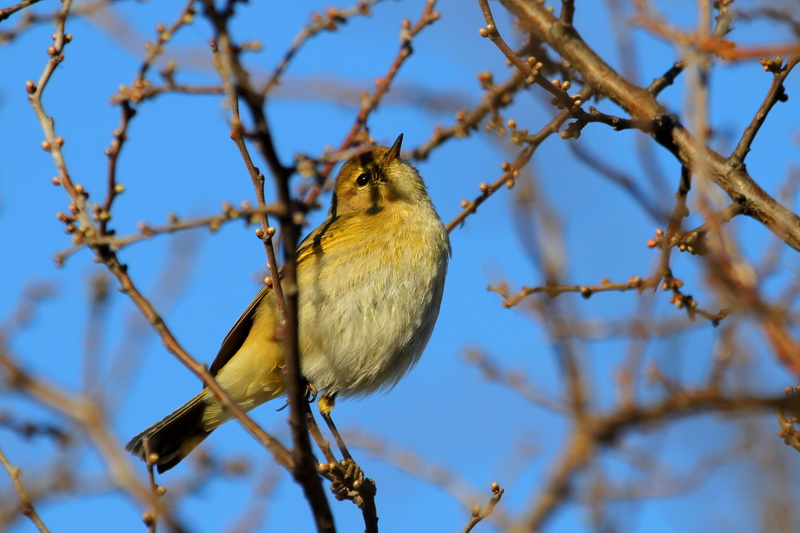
(348, 481)
(311, 392)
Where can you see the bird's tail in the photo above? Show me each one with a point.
(175, 436)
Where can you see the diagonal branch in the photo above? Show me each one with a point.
(304, 468)
(731, 177)
(25, 502)
(89, 415)
(7, 12)
(107, 256)
(776, 93)
(604, 429)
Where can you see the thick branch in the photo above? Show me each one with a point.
(641, 104)
(304, 468)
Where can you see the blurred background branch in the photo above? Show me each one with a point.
(623, 174)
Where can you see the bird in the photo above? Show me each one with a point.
(370, 280)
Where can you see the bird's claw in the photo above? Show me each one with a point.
(349, 482)
(311, 392)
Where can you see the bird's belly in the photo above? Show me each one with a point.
(363, 332)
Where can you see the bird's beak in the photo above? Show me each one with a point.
(393, 153)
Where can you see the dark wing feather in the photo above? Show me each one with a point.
(238, 333)
(322, 233)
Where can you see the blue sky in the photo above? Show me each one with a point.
(179, 159)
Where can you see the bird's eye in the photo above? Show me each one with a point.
(362, 180)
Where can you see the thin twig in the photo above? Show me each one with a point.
(495, 98)
(146, 231)
(605, 429)
(418, 467)
(127, 110)
(150, 518)
(511, 170)
(641, 104)
(775, 94)
(656, 212)
(479, 514)
(25, 503)
(514, 381)
(369, 103)
(529, 67)
(330, 21)
(711, 44)
(87, 414)
(237, 135)
(723, 26)
(304, 467)
(86, 228)
(8, 11)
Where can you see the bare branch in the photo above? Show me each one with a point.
(479, 514)
(304, 467)
(25, 503)
(641, 104)
(146, 231)
(328, 21)
(775, 94)
(8, 11)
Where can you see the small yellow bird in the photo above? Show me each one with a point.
(370, 280)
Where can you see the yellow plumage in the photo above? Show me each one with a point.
(370, 282)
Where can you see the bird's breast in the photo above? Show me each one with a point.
(368, 303)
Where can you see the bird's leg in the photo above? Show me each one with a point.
(311, 395)
(311, 392)
(347, 479)
(321, 441)
(326, 404)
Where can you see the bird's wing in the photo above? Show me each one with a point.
(241, 329)
(321, 234)
(238, 333)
